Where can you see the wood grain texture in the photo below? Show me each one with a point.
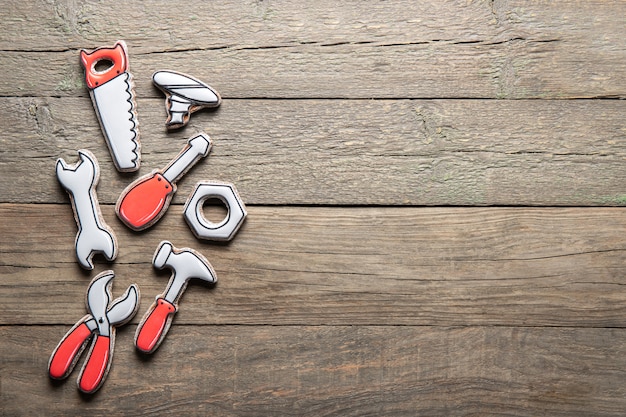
(344, 152)
(402, 49)
(402, 266)
(332, 371)
(435, 194)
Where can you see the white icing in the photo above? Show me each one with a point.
(185, 264)
(187, 87)
(114, 105)
(205, 229)
(185, 95)
(197, 147)
(94, 235)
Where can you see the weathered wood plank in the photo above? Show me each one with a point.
(512, 49)
(197, 24)
(401, 266)
(336, 310)
(332, 371)
(399, 152)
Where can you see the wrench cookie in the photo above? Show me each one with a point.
(113, 96)
(94, 236)
(104, 316)
(185, 264)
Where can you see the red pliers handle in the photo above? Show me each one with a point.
(104, 317)
(92, 375)
(68, 351)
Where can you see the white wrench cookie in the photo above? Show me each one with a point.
(94, 236)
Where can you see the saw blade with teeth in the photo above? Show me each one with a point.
(112, 93)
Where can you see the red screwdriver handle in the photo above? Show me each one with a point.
(97, 365)
(145, 201)
(66, 354)
(153, 328)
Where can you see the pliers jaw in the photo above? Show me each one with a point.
(98, 297)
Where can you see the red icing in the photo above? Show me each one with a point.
(152, 328)
(117, 55)
(65, 354)
(97, 365)
(144, 202)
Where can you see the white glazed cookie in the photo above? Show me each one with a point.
(184, 95)
(94, 236)
(101, 322)
(113, 98)
(185, 264)
(200, 225)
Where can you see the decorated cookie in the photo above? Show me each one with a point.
(113, 97)
(185, 264)
(184, 95)
(100, 323)
(146, 200)
(93, 236)
(205, 229)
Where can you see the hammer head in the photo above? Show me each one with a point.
(186, 264)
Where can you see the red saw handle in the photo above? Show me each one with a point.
(97, 365)
(118, 57)
(144, 201)
(151, 330)
(64, 357)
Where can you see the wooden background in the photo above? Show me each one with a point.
(435, 189)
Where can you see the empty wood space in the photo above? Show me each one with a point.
(436, 197)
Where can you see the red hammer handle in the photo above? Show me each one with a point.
(152, 329)
(97, 365)
(65, 355)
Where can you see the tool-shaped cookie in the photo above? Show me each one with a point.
(144, 201)
(202, 227)
(93, 235)
(184, 95)
(113, 98)
(185, 264)
(101, 322)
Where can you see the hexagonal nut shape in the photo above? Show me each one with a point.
(205, 229)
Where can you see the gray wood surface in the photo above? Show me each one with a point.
(381, 152)
(338, 266)
(333, 370)
(493, 49)
(435, 190)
